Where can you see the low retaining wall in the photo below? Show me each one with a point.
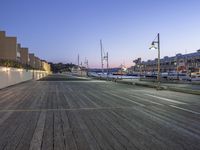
(11, 76)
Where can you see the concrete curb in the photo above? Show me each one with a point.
(188, 91)
(150, 85)
(124, 82)
(196, 92)
(172, 82)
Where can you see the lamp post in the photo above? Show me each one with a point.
(81, 69)
(157, 41)
(86, 63)
(33, 69)
(141, 66)
(106, 58)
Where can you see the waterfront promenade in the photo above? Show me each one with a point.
(65, 112)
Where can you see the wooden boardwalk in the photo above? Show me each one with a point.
(80, 114)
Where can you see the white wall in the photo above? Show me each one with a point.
(11, 76)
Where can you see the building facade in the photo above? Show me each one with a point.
(8, 47)
(24, 57)
(16, 56)
(38, 63)
(32, 60)
(186, 63)
(22, 54)
(46, 66)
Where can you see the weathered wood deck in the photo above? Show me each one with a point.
(81, 114)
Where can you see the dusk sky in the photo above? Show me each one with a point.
(59, 30)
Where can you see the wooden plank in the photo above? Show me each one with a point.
(121, 134)
(70, 101)
(59, 139)
(8, 128)
(92, 143)
(36, 141)
(28, 132)
(79, 138)
(97, 135)
(47, 141)
(149, 127)
(17, 135)
(137, 132)
(102, 127)
(67, 132)
(4, 116)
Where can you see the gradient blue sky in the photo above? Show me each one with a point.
(57, 30)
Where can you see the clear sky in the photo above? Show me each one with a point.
(57, 30)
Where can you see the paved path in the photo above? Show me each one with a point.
(82, 114)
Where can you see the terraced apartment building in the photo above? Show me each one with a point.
(12, 51)
(8, 47)
(22, 54)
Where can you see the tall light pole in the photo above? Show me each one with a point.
(140, 70)
(107, 65)
(106, 58)
(86, 63)
(81, 69)
(157, 41)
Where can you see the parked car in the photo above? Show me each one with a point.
(172, 76)
(178, 76)
(196, 78)
(164, 75)
(150, 75)
(184, 77)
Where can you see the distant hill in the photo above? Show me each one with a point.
(60, 67)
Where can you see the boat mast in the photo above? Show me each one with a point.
(101, 55)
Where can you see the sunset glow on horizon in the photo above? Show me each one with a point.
(59, 30)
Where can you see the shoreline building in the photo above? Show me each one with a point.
(38, 63)
(32, 60)
(22, 54)
(8, 47)
(186, 63)
(11, 52)
(46, 66)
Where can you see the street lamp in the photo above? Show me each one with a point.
(157, 41)
(141, 66)
(106, 59)
(87, 69)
